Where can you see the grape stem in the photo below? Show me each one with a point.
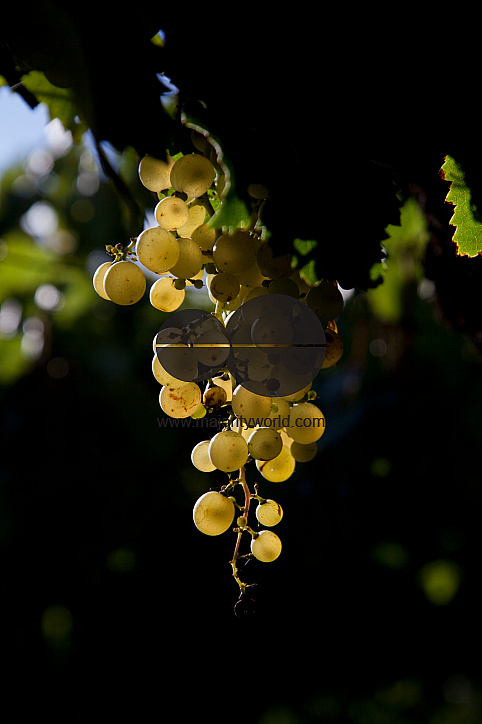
(247, 499)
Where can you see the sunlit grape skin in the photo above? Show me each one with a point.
(228, 451)
(266, 547)
(124, 283)
(213, 513)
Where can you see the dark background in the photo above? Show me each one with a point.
(96, 499)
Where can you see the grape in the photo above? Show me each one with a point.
(243, 429)
(211, 348)
(254, 292)
(279, 413)
(334, 349)
(303, 453)
(163, 376)
(266, 547)
(235, 252)
(200, 457)
(213, 513)
(193, 174)
(280, 468)
(264, 443)
(155, 174)
(157, 249)
(190, 259)
(180, 402)
(227, 385)
(171, 212)
(224, 287)
(286, 286)
(204, 236)
(124, 282)
(258, 191)
(295, 396)
(197, 214)
(269, 513)
(247, 404)
(98, 279)
(252, 277)
(272, 330)
(271, 266)
(228, 450)
(214, 396)
(307, 423)
(178, 358)
(326, 300)
(164, 296)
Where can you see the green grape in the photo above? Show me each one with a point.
(98, 279)
(243, 429)
(190, 260)
(228, 451)
(193, 174)
(307, 423)
(264, 443)
(303, 453)
(171, 213)
(197, 215)
(247, 404)
(163, 376)
(258, 191)
(235, 252)
(252, 277)
(269, 513)
(271, 330)
(254, 292)
(200, 457)
(224, 287)
(213, 513)
(271, 266)
(334, 349)
(326, 300)
(157, 249)
(280, 468)
(155, 174)
(266, 547)
(180, 402)
(124, 282)
(204, 236)
(164, 296)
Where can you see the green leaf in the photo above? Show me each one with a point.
(468, 233)
(231, 214)
(59, 101)
(304, 246)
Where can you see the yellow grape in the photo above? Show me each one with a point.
(269, 513)
(157, 249)
(180, 402)
(228, 451)
(154, 173)
(164, 296)
(307, 423)
(197, 215)
(200, 457)
(280, 468)
(193, 174)
(190, 259)
(124, 282)
(213, 513)
(171, 213)
(266, 546)
(98, 279)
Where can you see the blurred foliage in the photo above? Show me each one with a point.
(368, 616)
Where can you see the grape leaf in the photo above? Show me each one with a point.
(468, 232)
(59, 101)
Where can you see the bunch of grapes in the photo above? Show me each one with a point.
(249, 363)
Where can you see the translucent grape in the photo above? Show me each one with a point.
(235, 252)
(280, 468)
(227, 385)
(164, 296)
(197, 215)
(200, 457)
(213, 513)
(326, 300)
(193, 174)
(124, 282)
(247, 404)
(190, 260)
(279, 413)
(98, 279)
(171, 212)
(266, 547)
(264, 443)
(204, 236)
(163, 376)
(307, 423)
(269, 513)
(157, 249)
(272, 330)
(224, 287)
(228, 451)
(155, 174)
(180, 402)
(273, 267)
(211, 348)
(303, 453)
(177, 359)
(284, 286)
